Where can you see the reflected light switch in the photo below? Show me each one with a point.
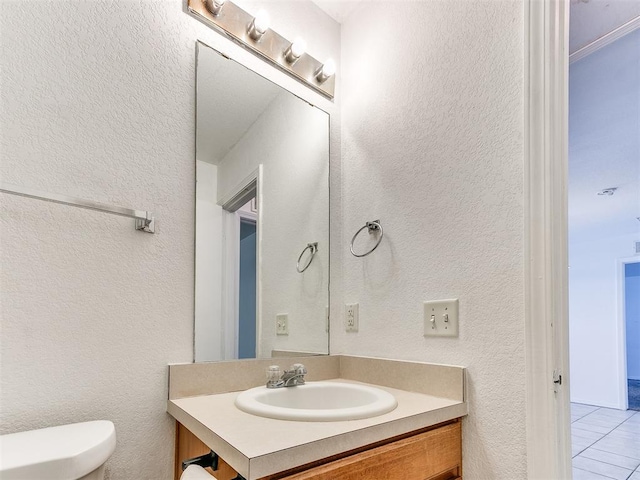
(282, 324)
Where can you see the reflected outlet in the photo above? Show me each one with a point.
(351, 317)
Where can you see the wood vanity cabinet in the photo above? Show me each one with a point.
(189, 446)
(434, 453)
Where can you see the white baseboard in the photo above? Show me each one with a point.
(596, 404)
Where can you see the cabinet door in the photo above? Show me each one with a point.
(435, 454)
(189, 446)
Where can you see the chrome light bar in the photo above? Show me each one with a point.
(238, 25)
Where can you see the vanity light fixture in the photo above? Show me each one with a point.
(295, 51)
(258, 26)
(214, 6)
(325, 71)
(253, 33)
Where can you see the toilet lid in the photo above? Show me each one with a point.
(57, 453)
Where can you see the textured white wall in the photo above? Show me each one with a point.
(290, 140)
(596, 374)
(98, 101)
(432, 116)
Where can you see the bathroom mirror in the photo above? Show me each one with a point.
(262, 216)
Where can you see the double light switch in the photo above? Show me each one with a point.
(441, 318)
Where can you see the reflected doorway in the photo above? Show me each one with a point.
(247, 333)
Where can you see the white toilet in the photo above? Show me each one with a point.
(68, 452)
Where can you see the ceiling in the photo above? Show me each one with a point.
(339, 10)
(591, 19)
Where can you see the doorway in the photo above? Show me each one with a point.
(603, 198)
(247, 283)
(241, 269)
(631, 319)
(546, 239)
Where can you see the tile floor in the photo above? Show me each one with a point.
(605, 443)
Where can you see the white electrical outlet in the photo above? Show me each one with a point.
(441, 318)
(282, 324)
(351, 317)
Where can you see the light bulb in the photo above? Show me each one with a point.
(214, 6)
(327, 70)
(295, 50)
(262, 21)
(298, 47)
(259, 25)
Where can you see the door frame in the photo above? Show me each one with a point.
(231, 261)
(622, 328)
(546, 252)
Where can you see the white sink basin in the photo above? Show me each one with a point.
(317, 402)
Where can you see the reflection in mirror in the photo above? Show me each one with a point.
(262, 196)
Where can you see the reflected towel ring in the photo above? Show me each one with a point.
(372, 226)
(314, 249)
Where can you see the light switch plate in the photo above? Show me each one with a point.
(282, 324)
(441, 318)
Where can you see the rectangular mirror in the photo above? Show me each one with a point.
(262, 216)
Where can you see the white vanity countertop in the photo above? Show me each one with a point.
(256, 446)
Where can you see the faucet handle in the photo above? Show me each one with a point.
(298, 368)
(273, 373)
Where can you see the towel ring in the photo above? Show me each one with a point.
(372, 226)
(314, 249)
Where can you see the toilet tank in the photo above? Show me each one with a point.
(66, 452)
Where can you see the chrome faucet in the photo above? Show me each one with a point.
(290, 378)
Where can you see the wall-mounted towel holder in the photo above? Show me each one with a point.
(145, 221)
(373, 227)
(313, 247)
